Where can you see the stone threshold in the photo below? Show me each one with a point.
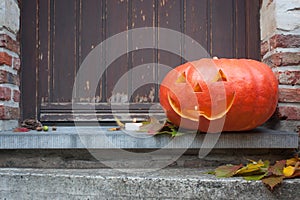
(88, 137)
(128, 184)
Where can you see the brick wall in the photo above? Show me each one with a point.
(280, 49)
(9, 64)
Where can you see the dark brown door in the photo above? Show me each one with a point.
(57, 35)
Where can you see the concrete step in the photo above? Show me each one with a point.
(100, 138)
(183, 183)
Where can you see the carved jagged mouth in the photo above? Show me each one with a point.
(194, 114)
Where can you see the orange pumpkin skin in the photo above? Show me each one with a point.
(238, 94)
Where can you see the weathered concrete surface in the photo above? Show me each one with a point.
(64, 148)
(9, 15)
(111, 184)
(99, 137)
(279, 16)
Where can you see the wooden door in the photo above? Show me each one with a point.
(57, 35)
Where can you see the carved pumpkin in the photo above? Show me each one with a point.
(241, 92)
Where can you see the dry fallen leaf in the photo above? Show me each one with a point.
(227, 170)
(292, 161)
(114, 129)
(21, 129)
(151, 126)
(292, 171)
(251, 167)
(270, 175)
(255, 177)
(272, 181)
(296, 173)
(277, 169)
(119, 123)
(288, 171)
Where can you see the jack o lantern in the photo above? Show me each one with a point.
(241, 94)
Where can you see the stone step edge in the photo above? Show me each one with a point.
(100, 137)
(183, 183)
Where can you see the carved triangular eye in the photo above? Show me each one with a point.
(181, 78)
(197, 88)
(220, 76)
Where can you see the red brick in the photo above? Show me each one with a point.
(289, 77)
(264, 48)
(7, 113)
(5, 93)
(5, 59)
(285, 41)
(289, 94)
(10, 44)
(16, 64)
(273, 60)
(16, 96)
(289, 112)
(283, 59)
(6, 77)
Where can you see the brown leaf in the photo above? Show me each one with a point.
(227, 170)
(277, 169)
(31, 124)
(21, 129)
(114, 129)
(272, 181)
(296, 174)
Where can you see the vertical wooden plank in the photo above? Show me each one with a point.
(51, 49)
(253, 29)
(169, 16)
(90, 28)
(90, 35)
(28, 59)
(143, 15)
(196, 21)
(44, 51)
(222, 28)
(240, 29)
(64, 50)
(116, 22)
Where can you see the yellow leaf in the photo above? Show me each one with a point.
(251, 167)
(291, 161)
(120, 124)
(288, 171)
